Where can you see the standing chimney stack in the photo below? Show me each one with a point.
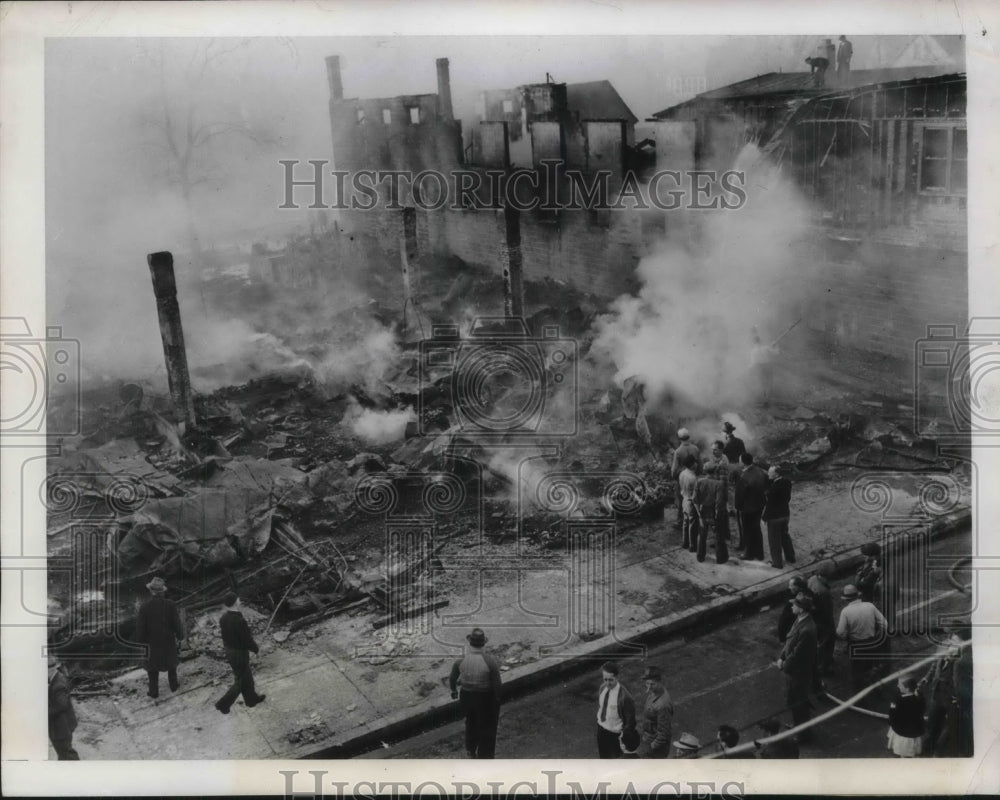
(161, 269)
(333, 77)
(444, 91)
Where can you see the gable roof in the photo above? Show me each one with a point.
(799, 84)
(597, 100)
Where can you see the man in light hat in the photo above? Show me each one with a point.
(864, 628)
(159, 628)
(62, 716)
(684, 450)
(475, 682)
(798, 660)
(687, 482)
(687, 746)
(658, 716)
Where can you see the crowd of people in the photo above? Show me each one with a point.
(931, 715)
(726, 482)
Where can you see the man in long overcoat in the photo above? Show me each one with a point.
(798, 660)
(159, 628)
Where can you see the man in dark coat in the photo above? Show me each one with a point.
(477, 675)
(62, 717)
(796, 586)
(710, 506)
(777, 497)
(239, 643)
(658, 716)
(798, 660)
(159, 628)
(733, 448)
(750, 497)
(826, 624)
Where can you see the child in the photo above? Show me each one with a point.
(906, 720)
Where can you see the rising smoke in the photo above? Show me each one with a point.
(714, 278)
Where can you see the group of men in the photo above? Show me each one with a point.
(160, 628)
(824, 56)
(703, 492)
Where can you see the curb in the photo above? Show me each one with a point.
(444, 709)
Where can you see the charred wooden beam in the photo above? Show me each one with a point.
(161, 269)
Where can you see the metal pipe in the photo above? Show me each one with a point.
(161, 269)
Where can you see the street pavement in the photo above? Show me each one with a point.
(341, 682)
(722, 676)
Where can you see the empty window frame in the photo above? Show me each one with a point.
(943, 160)
(386, 116)
(414, 115)
(508, 106)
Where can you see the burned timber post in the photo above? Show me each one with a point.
(161, 268)
(510, 261)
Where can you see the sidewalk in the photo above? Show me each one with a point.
(341, 684)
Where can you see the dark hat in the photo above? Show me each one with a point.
(850, 592)
(157, 585)
(688, 741)
(230, 599)
(652, 674)
(771, 726)
(630, 740)
(477, 638)
(728, 427)
(871, 549)
(804, 601)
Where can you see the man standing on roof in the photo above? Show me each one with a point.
(475, 682)
(844, 53)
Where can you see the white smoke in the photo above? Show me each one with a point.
(716, 276)
(379, 427)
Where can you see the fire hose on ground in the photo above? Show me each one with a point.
(842, 705)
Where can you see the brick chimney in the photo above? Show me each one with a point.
(333, 77)
(444, 91)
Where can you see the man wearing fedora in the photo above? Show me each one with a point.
(475, 682)
(159, 628)
(687, 746)
(864, 629)
(658, 716)
(798, 660)
(733, 448)
(615, 714)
